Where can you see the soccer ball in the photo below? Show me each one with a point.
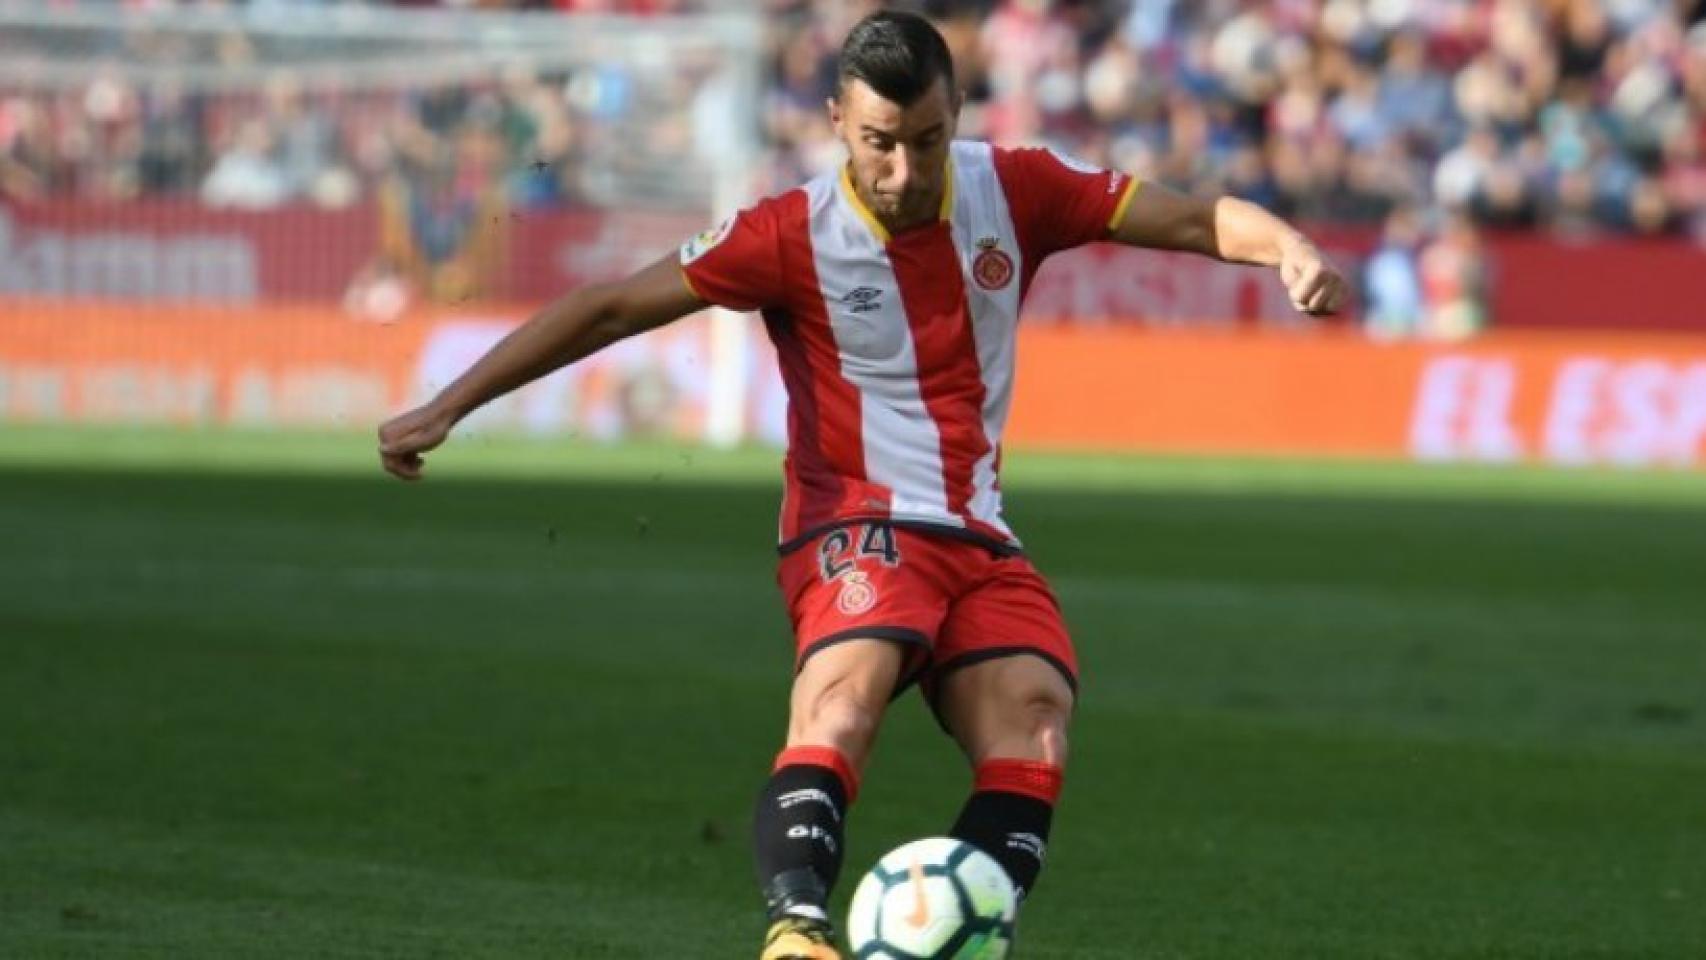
(934, 899)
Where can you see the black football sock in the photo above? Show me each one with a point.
(797, 830)
(1008, 816)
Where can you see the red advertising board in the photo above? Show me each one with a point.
(176, 252)
(166, 251)
(179, 252)
(1608, 284)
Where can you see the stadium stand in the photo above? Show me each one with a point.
(1573, 116)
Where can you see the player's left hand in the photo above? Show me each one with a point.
(1313, 282)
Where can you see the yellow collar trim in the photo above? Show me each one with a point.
(864, 212)
(882, 233)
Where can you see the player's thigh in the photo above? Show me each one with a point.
(1006, 672)
(866, 605)
(841, 691)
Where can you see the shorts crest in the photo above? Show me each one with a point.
(857, 594)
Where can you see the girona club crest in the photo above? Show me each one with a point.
(857, 594)
(993, 268)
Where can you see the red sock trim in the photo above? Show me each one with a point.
(1031, 778)
(829, 757)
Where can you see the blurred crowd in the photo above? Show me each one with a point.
(1419, 118)
(284, 144)
(1573, 115)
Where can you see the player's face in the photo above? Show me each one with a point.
(899, 154)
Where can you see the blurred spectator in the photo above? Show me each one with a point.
(247, 175)
(172, 151)
(1685, 175)
(1573, 213)
(304, 135)
(1031, 55)
(1454, 281)
(1463, 171)
(439, 236)
(1392, 283)
(102, 150)
(1413, 96)
(26, 149)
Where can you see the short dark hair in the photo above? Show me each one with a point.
(897, 54)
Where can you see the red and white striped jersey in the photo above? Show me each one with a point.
(897, 352)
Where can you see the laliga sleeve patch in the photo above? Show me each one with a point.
(702, 242)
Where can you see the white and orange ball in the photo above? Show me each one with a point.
(933, 899)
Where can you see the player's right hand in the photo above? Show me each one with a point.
(404, 438)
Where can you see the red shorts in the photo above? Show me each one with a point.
(955, 602)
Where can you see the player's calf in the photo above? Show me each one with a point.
(1009, 814)
(1010, 717)
(798, 828)
(837, 703)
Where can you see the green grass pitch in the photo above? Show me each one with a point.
(258, 700)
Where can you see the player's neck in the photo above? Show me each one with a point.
(924, 212)
(901, 223)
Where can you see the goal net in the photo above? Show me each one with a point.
(279, 215)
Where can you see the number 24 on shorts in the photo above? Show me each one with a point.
(835, 553)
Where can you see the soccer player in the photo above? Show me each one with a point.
(891, 290)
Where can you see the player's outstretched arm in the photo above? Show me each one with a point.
(1235, 231)
(574, 326)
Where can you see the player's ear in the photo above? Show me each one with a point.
(833, 104)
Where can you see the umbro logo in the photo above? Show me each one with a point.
(863, 299)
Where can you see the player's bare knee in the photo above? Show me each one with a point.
(1021, 727)
(1033, 726)
(1037, 722)
(1048, 720)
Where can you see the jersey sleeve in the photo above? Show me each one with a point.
(1058, 202)
(736, 264)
